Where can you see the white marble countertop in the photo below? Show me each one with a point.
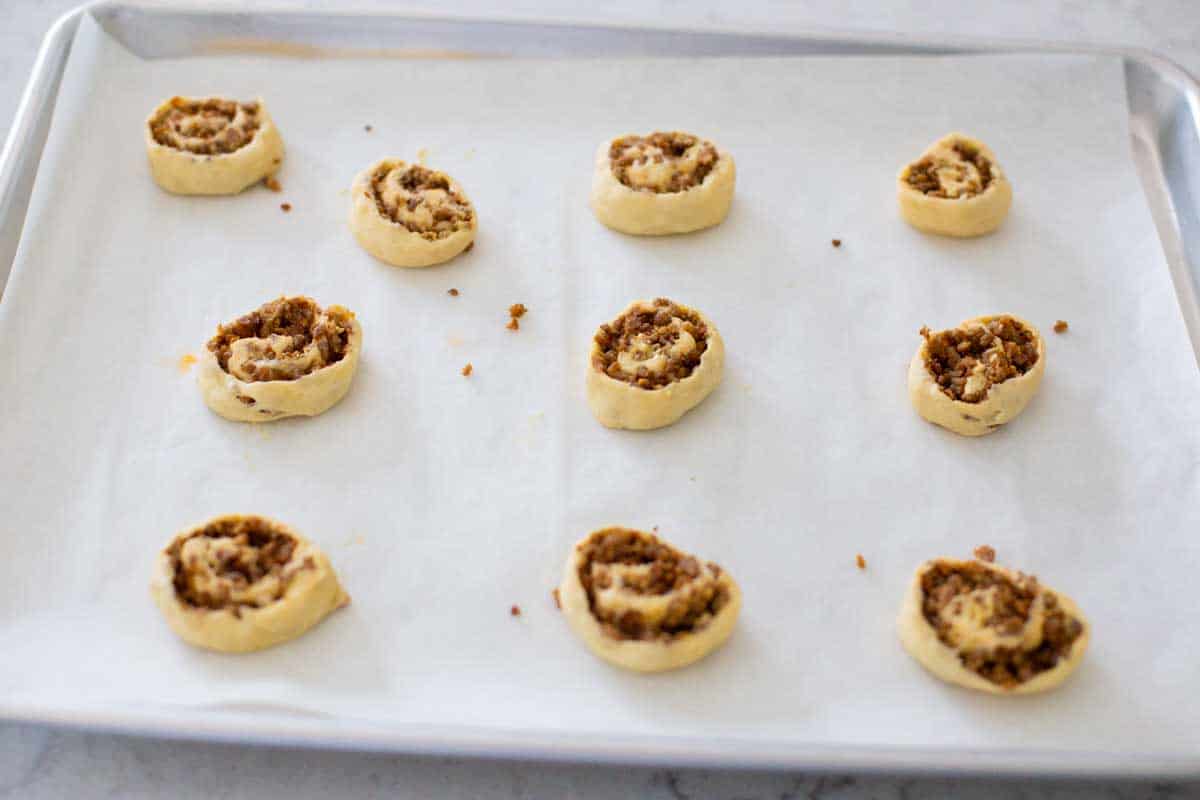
(40, 763)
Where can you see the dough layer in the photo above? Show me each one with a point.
(409, 216)
(652, 364)
(978, 625)
(661, 184)
(288, 358)
(956, 188)
(211, 145)
(242, 583)
(1001, 401)
(639, 603)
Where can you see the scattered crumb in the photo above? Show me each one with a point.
(286, 207)
(517, 310)
(557, 601)
(1061, 326)
(513, 325)
(367, 128)
(453, 292)
(837, 242)
(860, 561)
(186, 362)
(271, 183)
(422, 156)
(467, 370)
(515, 611)
(985, 553)
(655, 529)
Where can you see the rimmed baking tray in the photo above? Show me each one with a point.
(1164, 119)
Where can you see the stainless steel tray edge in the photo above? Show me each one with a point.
(1164, 106)
(23, 147)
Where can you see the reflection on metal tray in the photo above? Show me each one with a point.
(1164, 121)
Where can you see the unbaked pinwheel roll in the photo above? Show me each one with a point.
(639, 603)
(652, 364)
(242, 583)
(956, 188)
(974, 378)
(211, 145)
(662, 183)
(981, 626)
(288, 358)
(409, 216)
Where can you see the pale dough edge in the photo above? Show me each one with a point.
(617, 404)
(391, 242)
(311, 596)
(643, 656)
(307, 396)
(658, 214)
(965, 218)
(921, 642)
(181, 172)
(1003, 403)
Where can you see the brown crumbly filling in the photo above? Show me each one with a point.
(295, 337)
(971, 169)
(654, 328)
(670, 571)
(241, 552)
(967, 362)
(690, 157)
(209, 127)
(517, 310)
(986, 553)
(424, 201)
(1004, 666)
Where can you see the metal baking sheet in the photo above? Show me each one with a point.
(1162, 121)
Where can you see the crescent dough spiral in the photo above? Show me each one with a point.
(211, 145)
(241, 583)
(956, 188)
(981, 626)
(639, 603)
(288, 358)
(409, 216)
(974, 378)
(662, 183)
(652, 364)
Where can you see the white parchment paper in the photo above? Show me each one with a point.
(443, 501)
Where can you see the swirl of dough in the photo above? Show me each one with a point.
(241, 583)
(662, 183)
(652, 364)
(289, 357)
(974, 378)
(211, 145)
(639, 603)
(409, 216)
(984, 627)
(956, 188)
